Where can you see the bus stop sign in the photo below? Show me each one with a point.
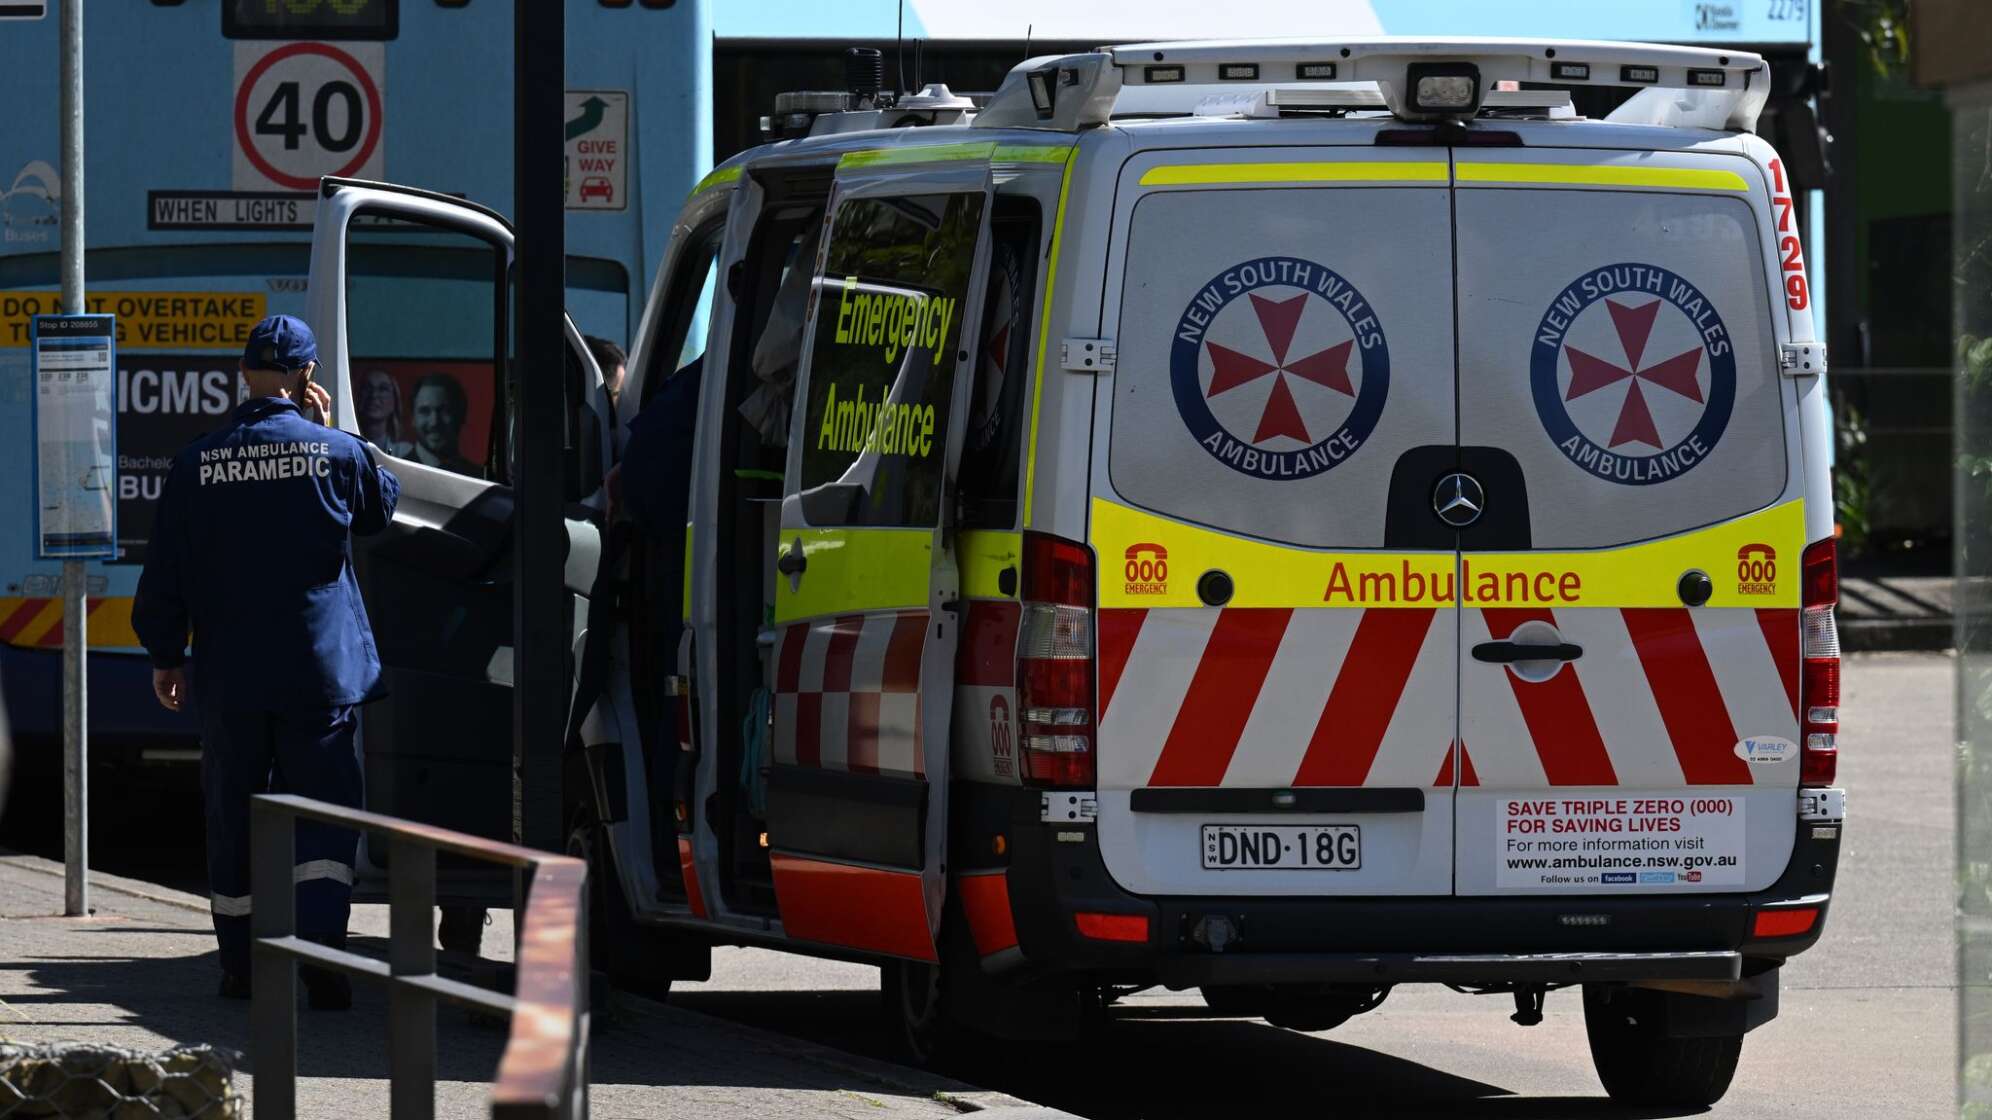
(76, 435)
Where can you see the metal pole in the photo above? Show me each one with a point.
(411, 951)
(75, 685)
(539, 610)
(273, 984)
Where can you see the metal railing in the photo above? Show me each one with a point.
(543, 1073)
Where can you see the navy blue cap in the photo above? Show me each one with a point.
(281, 343)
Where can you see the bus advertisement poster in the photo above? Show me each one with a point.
(75, 423)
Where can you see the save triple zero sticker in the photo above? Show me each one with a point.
(305, 109)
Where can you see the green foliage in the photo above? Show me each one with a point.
(1883, 28)
(1855, 480)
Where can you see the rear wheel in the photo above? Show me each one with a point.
(916, 1011)
(637, 957)
(1639, 1065)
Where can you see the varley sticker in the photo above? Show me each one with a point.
(1279, 368)
(1765, 750)
(1633, 373)
(1588, 843)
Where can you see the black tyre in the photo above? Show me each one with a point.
(461, 929)
(916, 1012)
(1640, 1066)
(638, 958)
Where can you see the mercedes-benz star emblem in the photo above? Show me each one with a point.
(1458, 500)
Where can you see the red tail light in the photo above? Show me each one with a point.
(1784, 923)
(1055, 663)
(1111, 927)
(1819, 681)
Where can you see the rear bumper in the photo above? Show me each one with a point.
(1055, 872)
(1189, 971)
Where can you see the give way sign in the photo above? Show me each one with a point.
(307, 109)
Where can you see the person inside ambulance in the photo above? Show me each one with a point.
(778, 352)
(251, 551)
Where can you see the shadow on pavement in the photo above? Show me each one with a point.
(635, 1042)
(1153, 1065)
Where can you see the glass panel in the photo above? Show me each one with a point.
(1618, 345)
(992, 455)
(888, 325)
(420, 334)
(1280, 352)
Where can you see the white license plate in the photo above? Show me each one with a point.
(1306, 847)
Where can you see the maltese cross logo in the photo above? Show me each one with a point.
(1279, 368)
(1280, 416)
(1665, 390)
(1678, 374)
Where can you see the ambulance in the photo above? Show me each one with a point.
(1281, 519)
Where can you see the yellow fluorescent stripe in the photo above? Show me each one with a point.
(983, 555)
(721, 175)
(1031, 153)
(1150, 561)
(1609, 175)
(685, 601)
(853, 570)
(917, 153)
(1186, 174)
(1044, 336)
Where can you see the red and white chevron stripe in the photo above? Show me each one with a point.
(1275, 697)
(1659, 699)
(847, 693)
(1268, 697)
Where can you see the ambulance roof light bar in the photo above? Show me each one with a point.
(1418, 78)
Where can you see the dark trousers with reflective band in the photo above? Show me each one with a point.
(308, 752)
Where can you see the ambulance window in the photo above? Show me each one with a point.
(686, 307)
(1618, 345)
(874, 424)
(991, 456)
(426, 381)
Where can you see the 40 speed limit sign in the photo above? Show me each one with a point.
(306, 109)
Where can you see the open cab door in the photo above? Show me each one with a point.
(866, 604)
(410, 298)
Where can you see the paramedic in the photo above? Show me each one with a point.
(251, 551)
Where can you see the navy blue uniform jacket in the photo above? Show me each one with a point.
(250, 549)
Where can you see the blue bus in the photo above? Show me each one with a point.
(208, 126)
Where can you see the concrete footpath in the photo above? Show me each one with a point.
(141, 973)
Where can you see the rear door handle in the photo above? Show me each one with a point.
(1507, 653)
(792, 562)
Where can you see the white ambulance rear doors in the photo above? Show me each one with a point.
(1634, 450)
(1276, 644)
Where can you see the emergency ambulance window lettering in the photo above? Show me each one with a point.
(425, 384)
(991, 457)
(1618, 344)
(1280, 351)
(888, 322)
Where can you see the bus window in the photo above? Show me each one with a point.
(422, 334)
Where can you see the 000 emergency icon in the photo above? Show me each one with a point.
(1279, 368)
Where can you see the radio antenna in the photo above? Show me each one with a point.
(1028, 28)
(899, 46)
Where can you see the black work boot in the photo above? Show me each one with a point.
(234, 985)
(325, 990)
